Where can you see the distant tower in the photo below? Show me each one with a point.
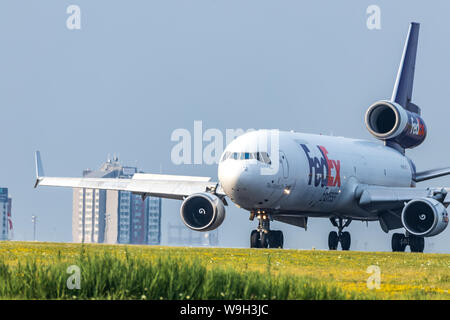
(110, 216)
(5, 215)
(34, 221)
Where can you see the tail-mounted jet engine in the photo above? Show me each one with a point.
(424, 217)
(390, 122)
(202, 211)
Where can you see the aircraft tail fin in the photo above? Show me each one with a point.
(403, 88)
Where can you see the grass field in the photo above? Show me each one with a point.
(39, 271)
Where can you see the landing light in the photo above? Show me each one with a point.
(287, 191)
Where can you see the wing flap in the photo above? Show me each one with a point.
(169, 177)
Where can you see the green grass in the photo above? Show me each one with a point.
(39, 271)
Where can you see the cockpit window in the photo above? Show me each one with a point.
(259, 156)
(265, 157)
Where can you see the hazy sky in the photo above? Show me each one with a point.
(138, 70)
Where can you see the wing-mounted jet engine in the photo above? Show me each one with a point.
(424, 217)
(202, 211)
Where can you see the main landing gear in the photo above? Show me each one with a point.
(263, 237)
(343, 237)
(400, 241)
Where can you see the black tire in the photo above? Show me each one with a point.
(255, 241)
(398, 242)
(333, 240)
(346, 240)
(264, 241)
(280, 239)
(272, 239)
(416, 244)
(276, 239)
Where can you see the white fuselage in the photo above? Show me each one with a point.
(312, 175)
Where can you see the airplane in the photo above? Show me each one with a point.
(291, 177)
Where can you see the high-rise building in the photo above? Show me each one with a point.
(109, 216)
(5, 215)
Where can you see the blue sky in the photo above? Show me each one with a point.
(137, 70)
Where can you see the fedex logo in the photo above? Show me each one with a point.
(320, 168)
(417, 127)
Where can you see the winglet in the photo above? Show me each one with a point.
(403, 88)
(39, 169)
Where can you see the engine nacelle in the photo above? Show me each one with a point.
(424, 217)
(202, 211)
(389, 121)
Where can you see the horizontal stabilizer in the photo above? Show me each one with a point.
(431, 174)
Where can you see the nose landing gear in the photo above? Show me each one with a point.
(343, 237)
(263, 237)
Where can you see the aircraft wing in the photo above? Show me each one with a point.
(157, 185)
(388, 202)
(391, 198)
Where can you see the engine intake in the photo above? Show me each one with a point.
(202, 212)
(389, 121)
(424, 217)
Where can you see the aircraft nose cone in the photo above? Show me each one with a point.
(234, 177)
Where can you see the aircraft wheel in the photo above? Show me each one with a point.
(416, 244)
(280, 239)
(272, 239)
(276, 239)
(255, 241)
(398, 242)
(265, 240)
(345, 240)
(333, 240)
